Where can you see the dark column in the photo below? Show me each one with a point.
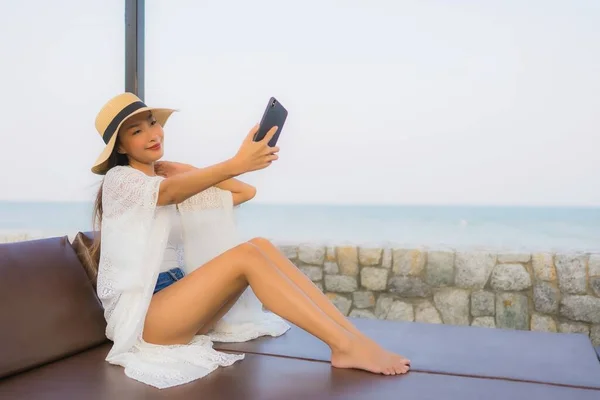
(134, 47)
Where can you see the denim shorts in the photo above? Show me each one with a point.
(168, 278)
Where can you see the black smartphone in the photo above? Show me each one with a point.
(275, 115)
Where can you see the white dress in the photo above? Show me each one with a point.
(134, 236)
(173, 256)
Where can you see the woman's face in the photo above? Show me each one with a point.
(141, 138)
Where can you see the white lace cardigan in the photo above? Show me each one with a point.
(134, 236)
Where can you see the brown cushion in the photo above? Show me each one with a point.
(83, 244)
(258, 377)
(48, 307)
(460, 350)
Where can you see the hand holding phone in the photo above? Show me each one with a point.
(254, 155)
(275, 115)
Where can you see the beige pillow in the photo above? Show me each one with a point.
(83, 246)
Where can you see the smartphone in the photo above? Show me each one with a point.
(275, 115)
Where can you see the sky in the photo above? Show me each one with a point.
(395, 102)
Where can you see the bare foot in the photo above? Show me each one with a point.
(377, 347)
(361, 354)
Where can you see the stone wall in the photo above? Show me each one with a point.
(541, 292)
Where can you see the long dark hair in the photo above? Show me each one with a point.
(114, 159)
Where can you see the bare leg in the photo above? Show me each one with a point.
(220, 314)
(306, 285)
(179, 311)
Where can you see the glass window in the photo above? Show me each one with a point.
(419, 102)
(60, 62)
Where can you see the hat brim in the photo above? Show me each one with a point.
(161, 114)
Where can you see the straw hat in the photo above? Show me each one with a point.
(110, 118)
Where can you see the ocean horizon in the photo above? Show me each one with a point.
(512, 228)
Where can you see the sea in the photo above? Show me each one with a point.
(528, 229)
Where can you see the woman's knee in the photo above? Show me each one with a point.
(246, 253)
(261, 242)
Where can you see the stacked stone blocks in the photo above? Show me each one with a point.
(540, 291)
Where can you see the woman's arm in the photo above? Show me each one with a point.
(179, 187)
(240, 191)
(252, 156)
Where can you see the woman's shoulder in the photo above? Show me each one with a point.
(126, 188)
(120, 170)
(126, 176)
(126, 172)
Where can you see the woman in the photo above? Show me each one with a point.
(171, 275)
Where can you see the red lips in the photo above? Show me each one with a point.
(155, 147)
